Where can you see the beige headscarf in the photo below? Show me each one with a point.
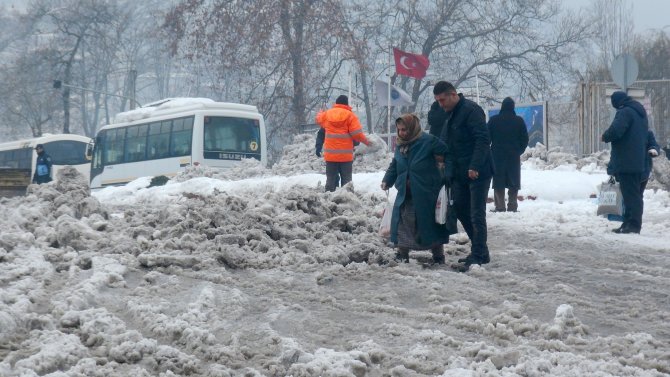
(414, 131)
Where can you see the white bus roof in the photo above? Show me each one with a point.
(46, 138)
(171, 106)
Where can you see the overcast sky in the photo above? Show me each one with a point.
(647, 14)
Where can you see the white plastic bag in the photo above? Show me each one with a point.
(610, 199)
(441, 206)
(385, 226)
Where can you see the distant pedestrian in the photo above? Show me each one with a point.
(509, 138)
(469, 166)
(42, 166)
(628, 134)
(416, 172)
(341, 128)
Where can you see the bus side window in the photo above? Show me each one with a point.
(136, 143)
(181, 137)
(113, 154)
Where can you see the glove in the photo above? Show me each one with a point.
(318, 152)
(652, 152)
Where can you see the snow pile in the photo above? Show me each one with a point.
(541, 158)
(299, 157)
(269, 277)
(248, 167)
(660, 178)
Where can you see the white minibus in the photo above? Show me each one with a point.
(64, 149)
(164, 137)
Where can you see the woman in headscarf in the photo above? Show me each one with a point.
(417, 172)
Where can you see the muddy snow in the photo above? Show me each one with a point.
(258, 272)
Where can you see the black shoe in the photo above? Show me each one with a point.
(438, 255)
(402, 256)
(497, 210)
(625, 230)
(475, 260)
(463, 260)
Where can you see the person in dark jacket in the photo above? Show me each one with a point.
(436, 118)
(628, 134)
(415, 173)
(42, 166)
(468, 166)
(509, 138)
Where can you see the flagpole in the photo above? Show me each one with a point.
(351, 102)
(477, 84)
(388, 106)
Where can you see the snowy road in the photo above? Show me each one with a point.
(273, 277)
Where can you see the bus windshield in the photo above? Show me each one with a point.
(66, 152)
(236, 137)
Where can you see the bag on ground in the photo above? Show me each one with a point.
(385, 226)
(441, 206)
(610, 199)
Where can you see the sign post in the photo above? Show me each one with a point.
(624, 71)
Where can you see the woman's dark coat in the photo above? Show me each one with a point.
(425, 183)
(509, 138)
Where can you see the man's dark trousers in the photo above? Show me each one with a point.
(632, 200)
(336, 172)
(470, 205)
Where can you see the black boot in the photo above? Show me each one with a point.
(402, 255)
(438, 254)
(481, 259)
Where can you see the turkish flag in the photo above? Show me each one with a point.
(408, 64)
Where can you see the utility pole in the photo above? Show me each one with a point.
(57, 84)
(132, 79)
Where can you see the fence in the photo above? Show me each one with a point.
(577, 126)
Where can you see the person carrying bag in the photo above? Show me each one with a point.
(415, 174)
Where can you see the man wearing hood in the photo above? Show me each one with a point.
(342, 128)
(509, 138)
(42, 166)
(628, 134)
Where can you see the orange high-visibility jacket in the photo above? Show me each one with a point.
(342, 128)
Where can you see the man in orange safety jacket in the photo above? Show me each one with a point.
(342, 128)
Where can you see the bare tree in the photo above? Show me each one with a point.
(276, 66)
(72, 23)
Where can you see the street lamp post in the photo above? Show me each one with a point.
(57, 84)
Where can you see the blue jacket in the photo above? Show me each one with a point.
(419, 167)
(42, 168)
(628, 135)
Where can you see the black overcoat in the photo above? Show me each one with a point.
(509, 138)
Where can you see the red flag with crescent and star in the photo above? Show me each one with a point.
(408, 64)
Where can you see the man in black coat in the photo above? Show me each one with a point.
(628, 134)
(468, 166)
(509, 138)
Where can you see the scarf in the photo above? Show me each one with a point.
(410, 121)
